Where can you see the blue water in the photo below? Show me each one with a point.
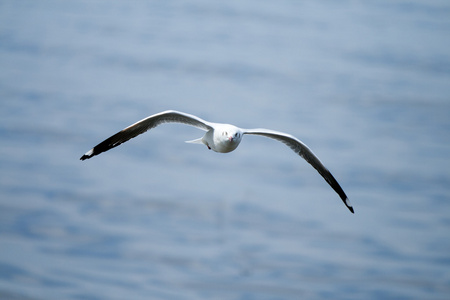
(365, 84)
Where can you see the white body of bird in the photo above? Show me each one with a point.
(223, 138)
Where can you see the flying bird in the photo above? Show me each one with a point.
(222, 138)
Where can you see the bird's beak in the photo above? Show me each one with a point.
(230, 138)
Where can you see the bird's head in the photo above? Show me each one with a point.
(232, 135)
(228, 137)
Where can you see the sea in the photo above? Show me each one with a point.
(365, 84)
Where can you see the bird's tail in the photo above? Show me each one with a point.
(197, 141)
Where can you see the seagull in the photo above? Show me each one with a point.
(222, 138)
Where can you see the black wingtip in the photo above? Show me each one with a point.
(88, 154)
(349, 206)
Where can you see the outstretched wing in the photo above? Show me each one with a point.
(169, 116)
(301, 149)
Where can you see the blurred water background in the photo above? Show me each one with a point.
(366, 84)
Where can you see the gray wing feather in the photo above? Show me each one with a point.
(301, 149)
(169, 116)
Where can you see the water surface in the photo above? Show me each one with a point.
(364, 84)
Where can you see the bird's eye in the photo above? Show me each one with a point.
(236, 135)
